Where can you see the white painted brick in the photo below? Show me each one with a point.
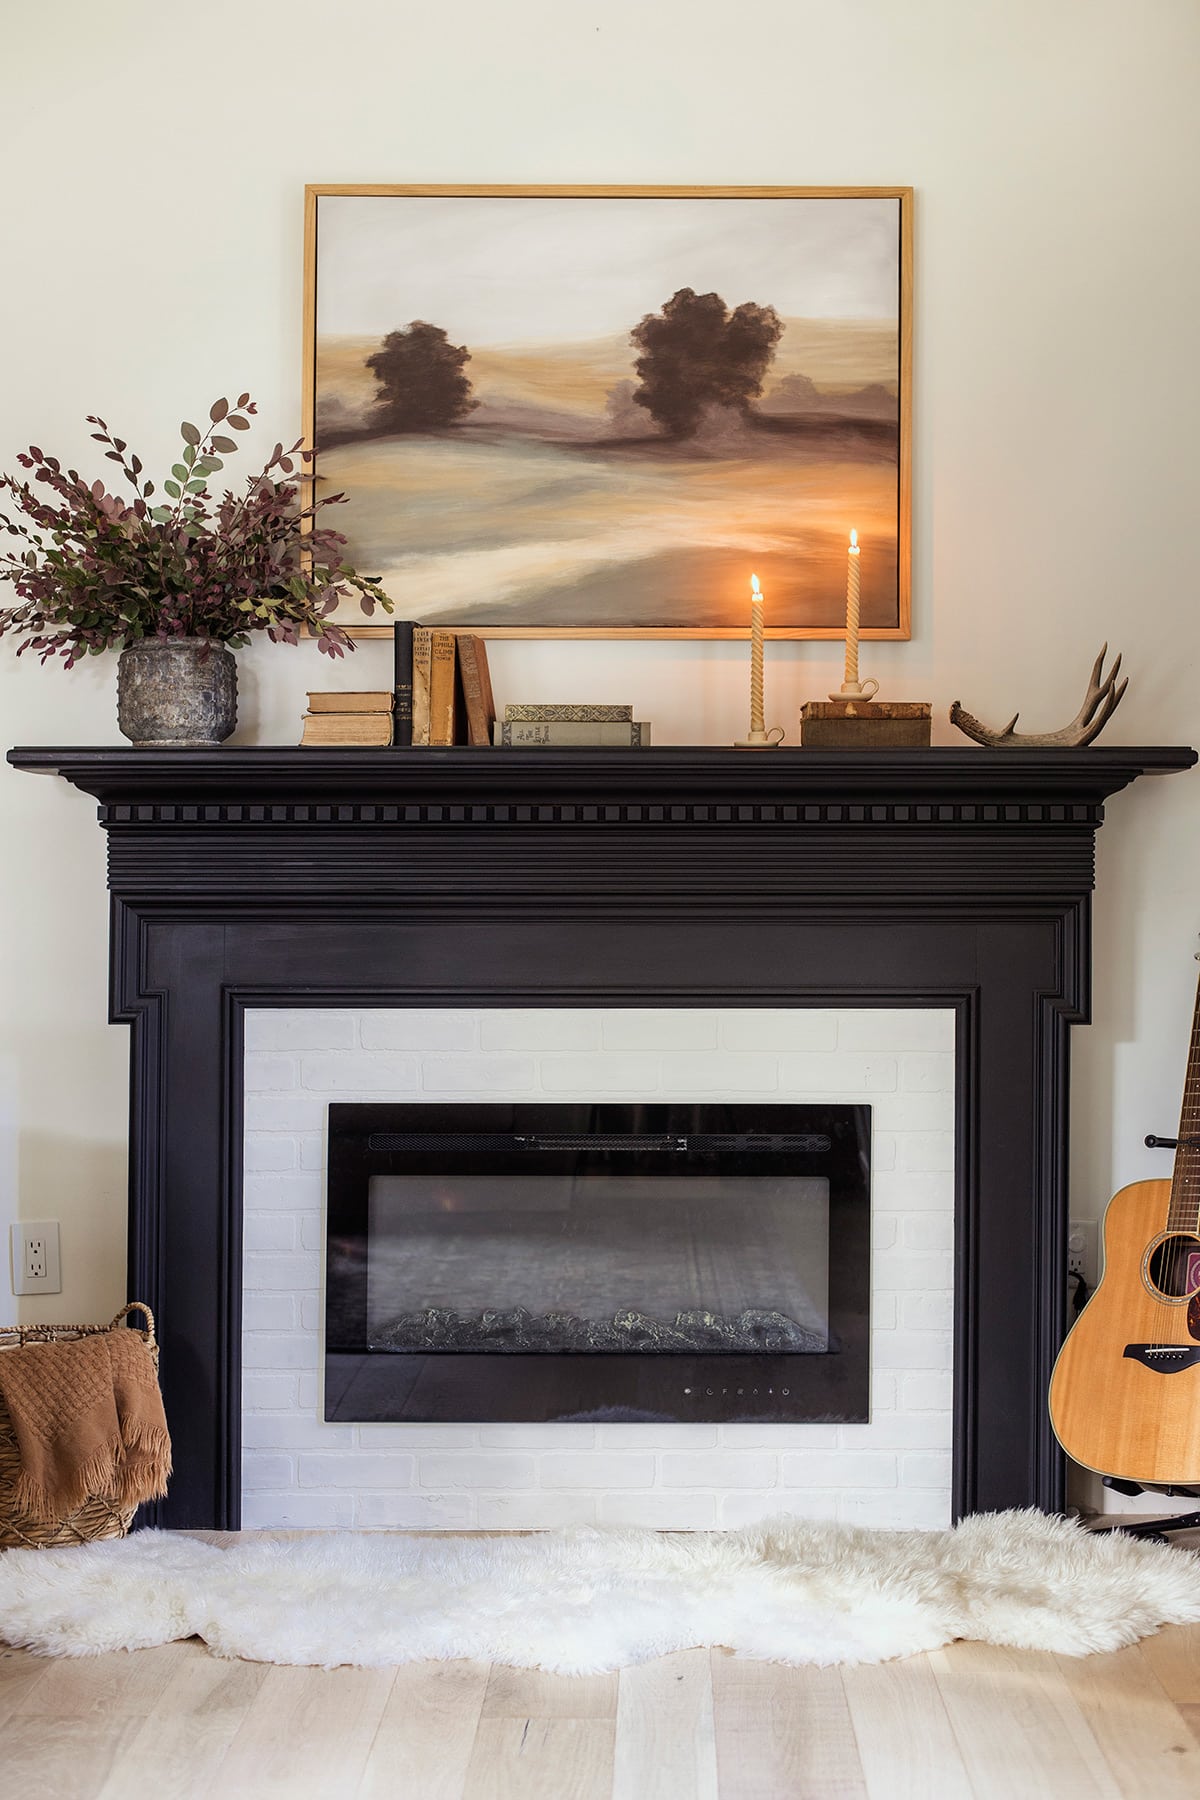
(269, 1231)
(719, 1072)
(925, 1471)
(282, 1112)
(794, 1028)
(912, 1350)
(310, 1395)
(934, 1388)
(267, 1153)
(806, 1074)
(270, 1074)
(267, 1270)
(268, 1312)
(312, 1149)
(389, 1469)
(884, 1311)
(477, 1469)
(659, 1512)
(282, 1192)
(840, 1469)
(655, 1437)
(586, 1076)
(653, 1029)
(312, 1312)
(424, 1029)
(277, 1392)
(928, 1231)
(413, 1512)
(927, 1312)
(924, 1191)
(905, 1028)
(706, 1469)
(279, 1350)
(308, 1028)
(312, 1231)
(741, 1436)
(541, 1030)
(919, 1271)
(533, 1434)
(883, 1232)
(926, 1151)
(883, 1392)
(297, 1512)
(602, 1470)
(901, 1112)
(416, 1437)
(896, 1510)
(275, 1431)
(363, 1074)
(899, 1431)
(927, 1074)
(478, 1074)
(534, 1512)
(883, 1149)
(737, 1510)
(266, 1471)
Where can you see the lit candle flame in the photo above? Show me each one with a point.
(854, 540)
(754, 584)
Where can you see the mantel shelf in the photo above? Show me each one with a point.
(269, 774)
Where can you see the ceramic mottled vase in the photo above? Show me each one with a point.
(176, 693)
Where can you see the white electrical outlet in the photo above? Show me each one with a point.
(1081, 1250)
(36, 1267)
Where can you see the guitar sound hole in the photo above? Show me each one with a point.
(1174, 1266)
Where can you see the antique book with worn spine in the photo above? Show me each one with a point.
(442, 699)
(371, 729)
(402, 682)
(569, 712)
(478, 705)
(865, 724)
(350, 703)
(422, 645)
(564, 734)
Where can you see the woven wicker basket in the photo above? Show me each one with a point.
(100, 1516)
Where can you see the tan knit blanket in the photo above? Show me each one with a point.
(88, 1419)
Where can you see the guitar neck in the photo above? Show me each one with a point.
(1184, 1211)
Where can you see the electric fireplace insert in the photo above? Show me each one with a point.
(597, 1261)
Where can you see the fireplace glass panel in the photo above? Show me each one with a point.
(576, 1261)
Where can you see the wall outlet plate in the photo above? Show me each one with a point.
(1082, 1259)
(36, 1264)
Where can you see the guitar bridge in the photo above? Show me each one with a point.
(1167, 1359)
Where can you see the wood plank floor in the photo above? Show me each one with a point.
(969, 1720)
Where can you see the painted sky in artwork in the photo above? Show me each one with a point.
(530, 270)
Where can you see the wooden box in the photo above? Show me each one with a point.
(865, 724)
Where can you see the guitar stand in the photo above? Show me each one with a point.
(1153, 1529)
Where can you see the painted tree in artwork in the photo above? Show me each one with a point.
(422, 386)
(696, 354)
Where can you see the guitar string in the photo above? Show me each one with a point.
(1182, 1235)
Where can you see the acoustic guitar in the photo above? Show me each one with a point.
(1125, 1393)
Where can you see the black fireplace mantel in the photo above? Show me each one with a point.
(671, 877)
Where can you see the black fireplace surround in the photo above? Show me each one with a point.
(673, 877)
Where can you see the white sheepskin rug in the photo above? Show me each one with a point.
(582, 1601)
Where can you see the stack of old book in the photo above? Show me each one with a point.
(348, 719)
(443, 687)
(569, 726)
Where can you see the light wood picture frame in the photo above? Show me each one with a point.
(594, 411)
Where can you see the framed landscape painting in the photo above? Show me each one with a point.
(594, 412)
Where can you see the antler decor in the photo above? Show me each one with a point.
(1100, 703)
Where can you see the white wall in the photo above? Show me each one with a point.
(154, 164)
